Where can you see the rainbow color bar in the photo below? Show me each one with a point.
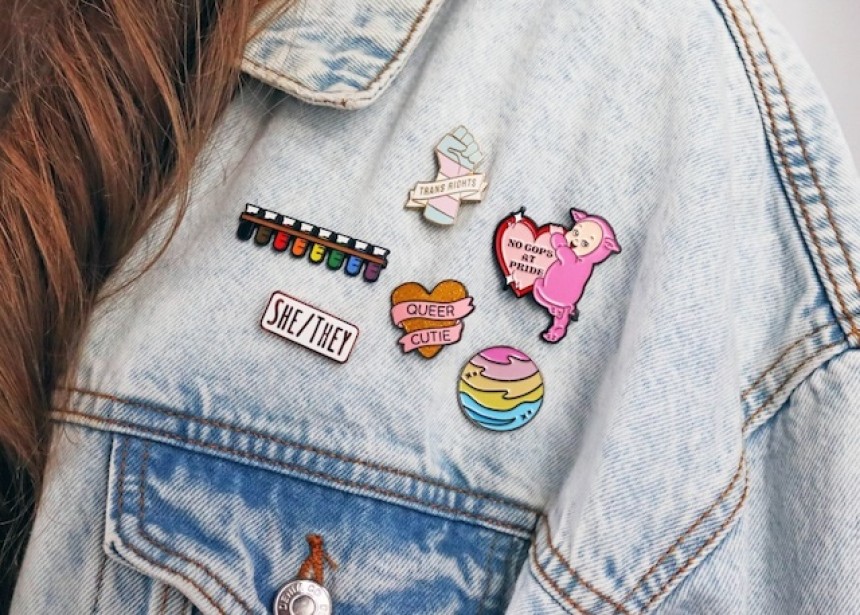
(321, 245)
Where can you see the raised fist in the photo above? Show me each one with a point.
(461, 147)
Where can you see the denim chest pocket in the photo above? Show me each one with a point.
(229, 535)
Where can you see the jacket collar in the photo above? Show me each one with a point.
(338, 53)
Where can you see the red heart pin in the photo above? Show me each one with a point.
(523, 251)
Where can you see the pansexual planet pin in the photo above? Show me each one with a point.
(553, 263)
(458, 157)
(500, 389)
(433, 319)
(308, 326)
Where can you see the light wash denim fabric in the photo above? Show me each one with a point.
(697, 449)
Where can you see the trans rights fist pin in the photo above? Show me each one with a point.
(458, 156)
(553, 263)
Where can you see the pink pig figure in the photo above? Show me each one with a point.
(590, 242)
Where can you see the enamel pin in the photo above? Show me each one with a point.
(319, 244)
(307, 326)
(458, 157)
(431, 320)
(500, 389)
(553, 263)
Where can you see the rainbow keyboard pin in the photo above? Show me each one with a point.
(321, 245)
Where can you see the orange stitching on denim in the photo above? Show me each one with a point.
(748, 391)
(808, 159)
(488, 560)
(719, 500)
(552, 546)
(143, 556)
(346, 96)
(619, 606)
(182, 575)
(162, 605)
(567, 597)
(99, 580)
(141, 492)
(297, 468)
(123, 465)
(787, 167)
(141, 507)
(699, 520)
(313, 568)
(304, 447)
(729, 488)
(276, 73)
(590, 587)
(726, 522)
(788, 378)
(412, 30)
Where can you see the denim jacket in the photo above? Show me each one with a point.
(695, 448)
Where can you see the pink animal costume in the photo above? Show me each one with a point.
(564, 282)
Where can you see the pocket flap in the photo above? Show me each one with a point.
(229, 536)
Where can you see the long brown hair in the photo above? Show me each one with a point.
(104, 105)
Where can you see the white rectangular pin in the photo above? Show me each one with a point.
(310, 327)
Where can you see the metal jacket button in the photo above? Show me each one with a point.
(303, 598)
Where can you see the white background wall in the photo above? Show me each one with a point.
(828, 33)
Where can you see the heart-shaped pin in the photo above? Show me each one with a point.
(431, 319)
(524, 251)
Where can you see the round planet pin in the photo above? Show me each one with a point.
(501, 389)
